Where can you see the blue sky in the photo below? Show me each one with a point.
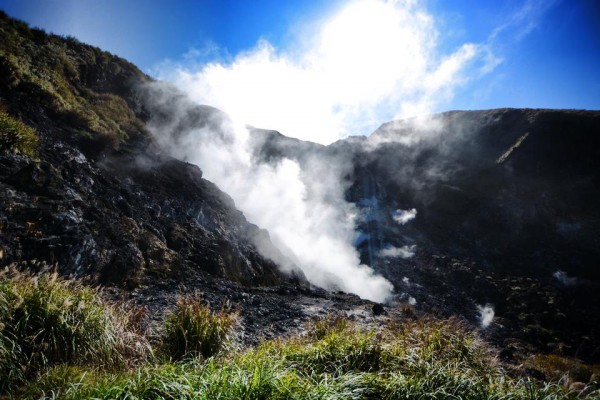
(530, 53)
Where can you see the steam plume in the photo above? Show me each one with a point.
(404, 252)
(486, 315)
(303, 209)
(403, 216)
(563, 278)
(372, 61)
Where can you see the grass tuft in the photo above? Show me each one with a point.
(45, 320)
(193, 330)
(15, 136)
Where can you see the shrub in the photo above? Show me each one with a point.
(194, 330)
(45, 320)
(16, 136)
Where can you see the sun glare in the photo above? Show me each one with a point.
(372, 61)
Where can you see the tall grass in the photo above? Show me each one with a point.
(193, 330)
(45, 320)
(416, 359)
(419, 362)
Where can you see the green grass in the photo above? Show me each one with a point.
(193, 330)
(15, 136)
(45, 320)
(59, 339)
(419, 361)
(68, 80)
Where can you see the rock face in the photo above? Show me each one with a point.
(125, 218)
(514, 188)
(481, 208)
(506, 216)
(101, 200)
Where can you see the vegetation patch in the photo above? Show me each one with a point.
(425, 359)
(60, 339)
(193, 330)
(555, 368)
(15, 136)
(45, 320)
(69, 80)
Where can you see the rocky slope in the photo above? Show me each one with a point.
(481, 210)
(97, 198)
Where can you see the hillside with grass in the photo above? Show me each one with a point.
(78, 86)
(86, 190)
(61, 339)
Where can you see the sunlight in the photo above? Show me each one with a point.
(372, 61)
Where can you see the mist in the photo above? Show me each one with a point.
(369, 62)
(405, 252)
(486, 315)
(403, 216)
(303, 210)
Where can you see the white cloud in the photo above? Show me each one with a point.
(486, 315)
(404, 216)
(403, 252)
(522, 21)
(372, 61)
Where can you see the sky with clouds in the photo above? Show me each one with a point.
(322, 70)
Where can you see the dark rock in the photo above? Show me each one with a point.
(378, 309)
(106, 204)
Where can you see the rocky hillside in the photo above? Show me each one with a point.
(481, 210)
(84, 190)
(506, 216)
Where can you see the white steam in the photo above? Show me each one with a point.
(404, 216)
(486, 315)
(405, 252)
(374, 60)
(303, 209)
(563, 278)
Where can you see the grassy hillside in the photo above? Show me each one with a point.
(61, 339)
(75, 85)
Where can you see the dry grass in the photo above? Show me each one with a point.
(555, 368)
